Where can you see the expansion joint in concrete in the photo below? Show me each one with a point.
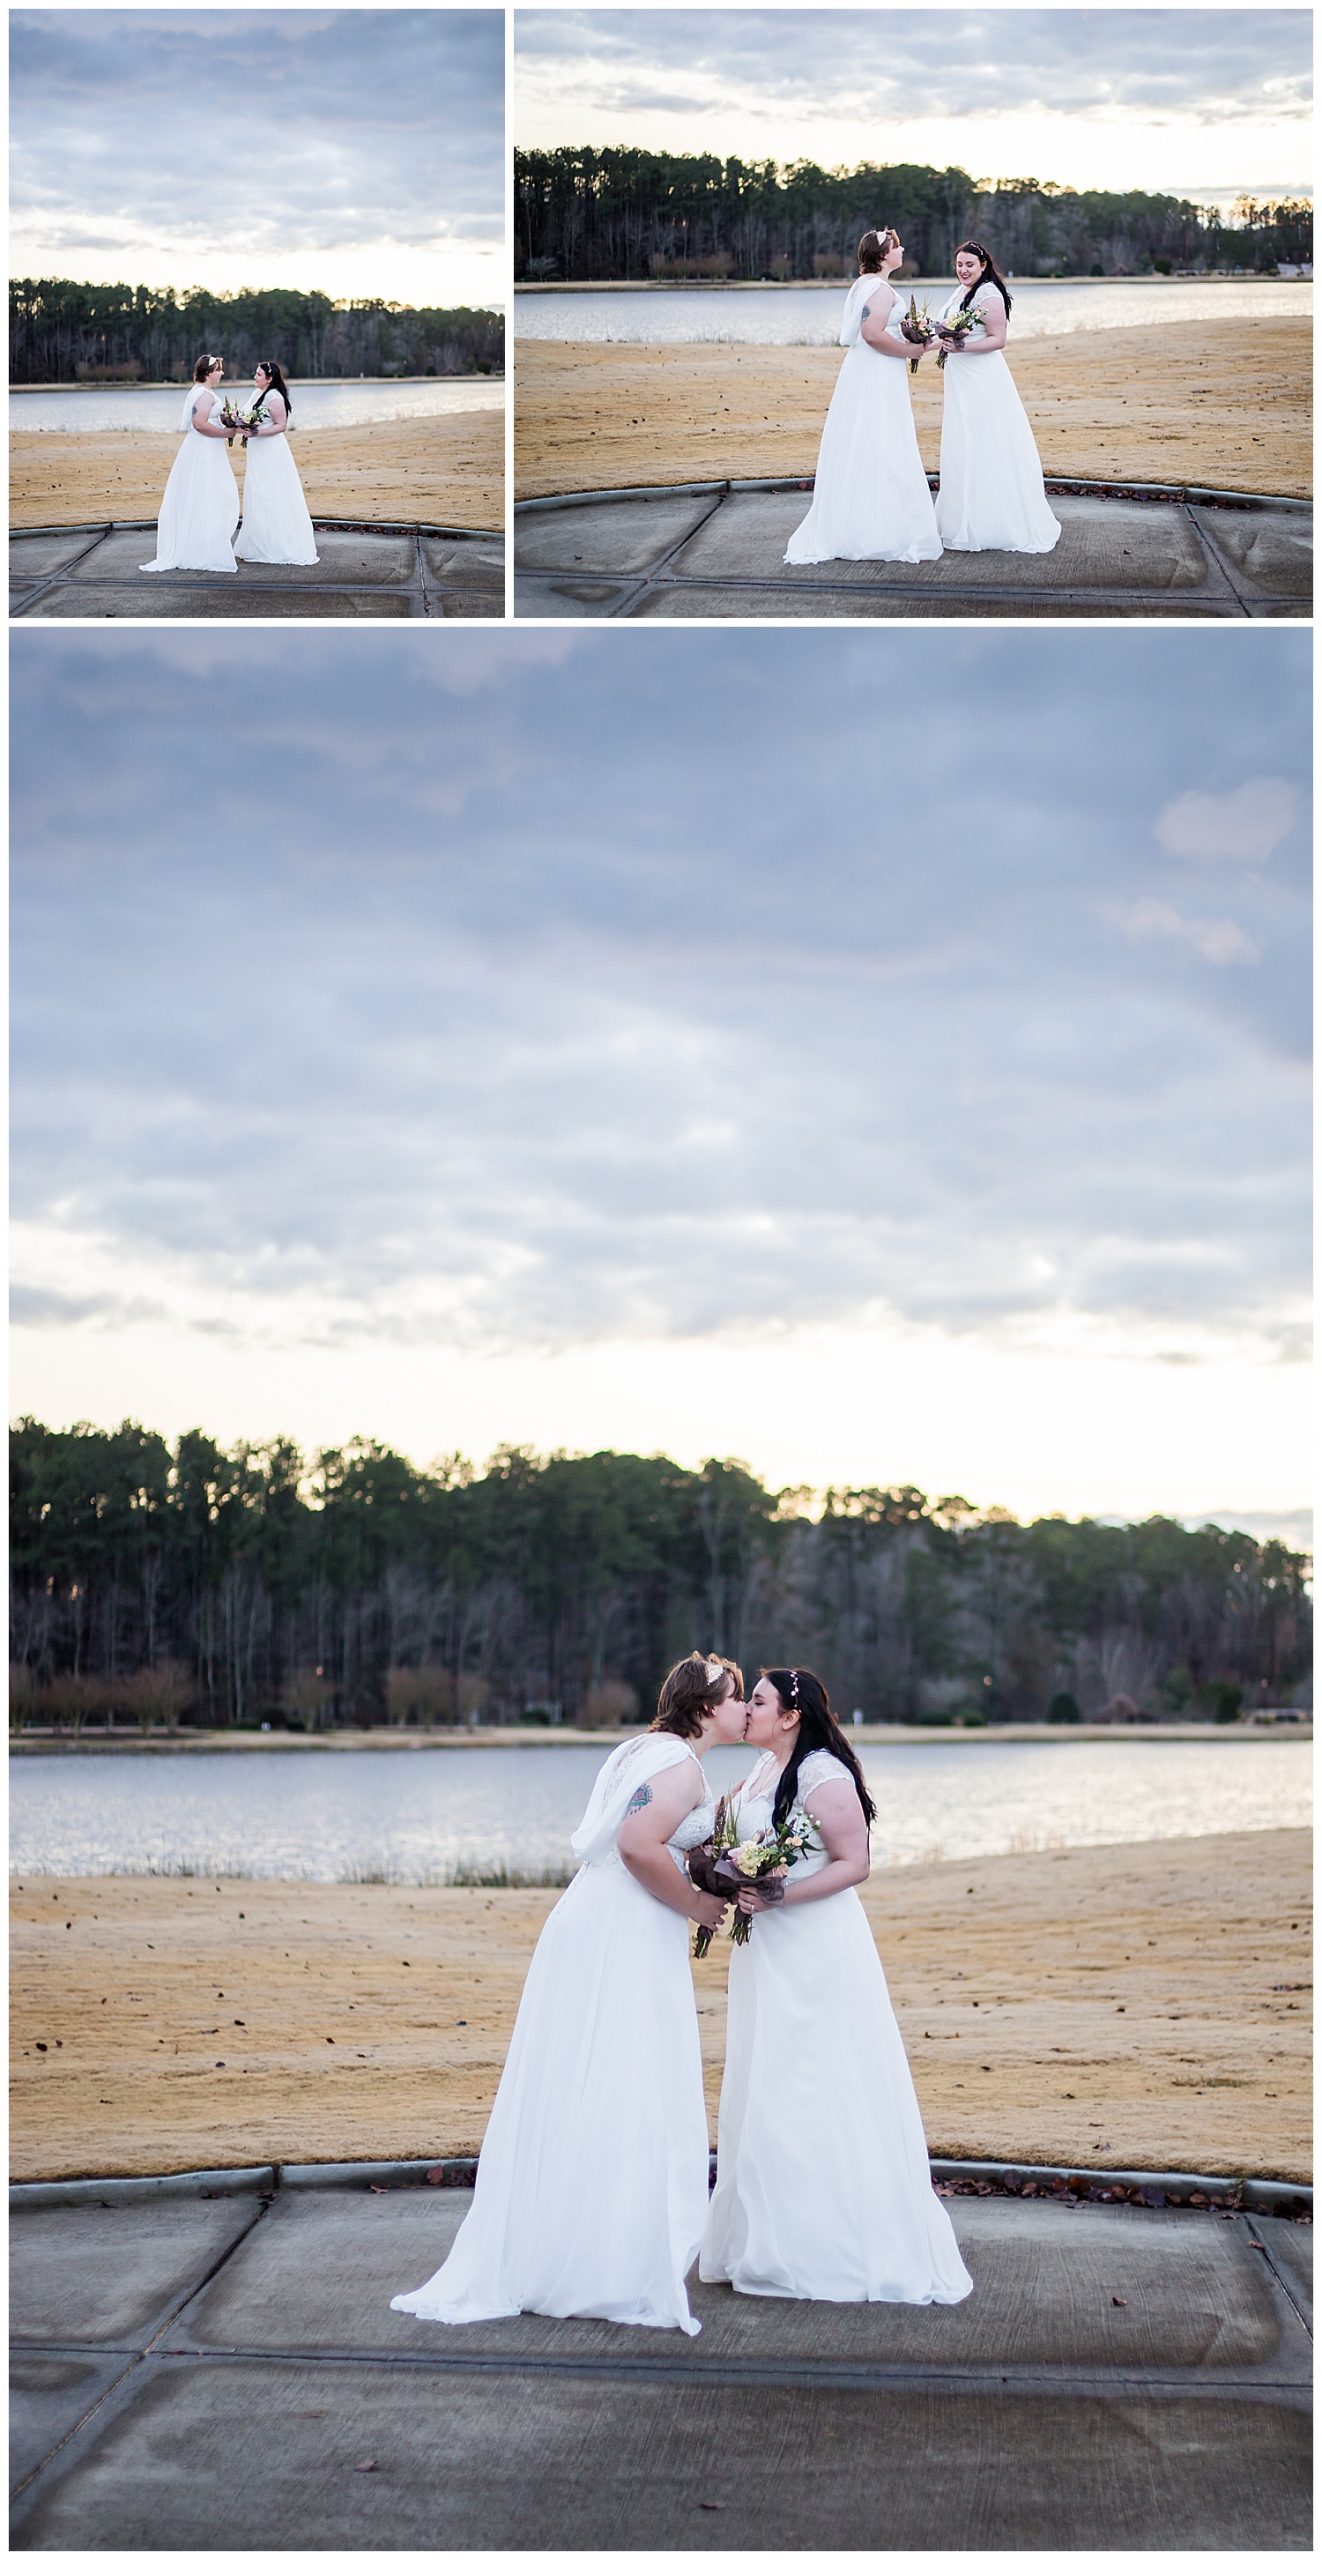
(136, 2358)
(715, 551)
(1221, 572)
(394, 571)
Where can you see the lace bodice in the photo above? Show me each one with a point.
(695, 1827)
(985, 295)
(754, 1802)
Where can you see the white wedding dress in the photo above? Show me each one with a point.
(592, 2183)
(200, 502)
(276, 524)
(823, 2188)
(871, 500)
(991, 496)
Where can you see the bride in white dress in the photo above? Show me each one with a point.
(200, 503)
(276, 524)
(823, 2188)
(871, 500)
(991, 496)
(592, 2183)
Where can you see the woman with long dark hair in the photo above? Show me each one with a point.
(276, 525)
(200, 502)
(992, 496)
(592, 2185)
(870, 500)
(823, 2189)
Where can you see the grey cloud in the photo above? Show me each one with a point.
(33, 1306)
(316, 129)
(665, 1021)
(857, 62)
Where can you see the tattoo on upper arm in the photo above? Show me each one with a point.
(867, 311)
(641, 1796)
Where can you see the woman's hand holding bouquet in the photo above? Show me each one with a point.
(952, 334)
(916, 326)
(706, 1871)
(751, 1872)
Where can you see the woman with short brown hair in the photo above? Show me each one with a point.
(592, 2186)
(200, 501)
(871, 500)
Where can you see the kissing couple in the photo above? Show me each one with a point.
(592, 2188)
(200, 506)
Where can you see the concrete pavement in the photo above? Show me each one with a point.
(379, 573)
(220, 2370)
(715, 549)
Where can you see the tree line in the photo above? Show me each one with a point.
(65, 332)
(595, 216)
(225, 1587)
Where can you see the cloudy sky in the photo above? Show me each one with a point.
(1204, 102)
(880, 1056)
(344, 151)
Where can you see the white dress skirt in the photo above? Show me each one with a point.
(200, 502)
(871, 500)
(276, 525)
(823, 2187)
(992, 496)
(591, 2188)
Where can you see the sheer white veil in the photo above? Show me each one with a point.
(638, 1758)
(851, 318)
(193, 390)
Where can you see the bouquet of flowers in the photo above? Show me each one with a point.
(916, 326)
(770, 1854)
(235, 418)
(724, 1840)
(950, 332)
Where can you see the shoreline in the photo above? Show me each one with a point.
(842, 282)
(1175, 407)
(504, 1737)
(446, 470)
(309, 381)
(265, 2021)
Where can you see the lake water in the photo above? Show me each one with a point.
(421, 1817)
(316, 404)
(809, 315)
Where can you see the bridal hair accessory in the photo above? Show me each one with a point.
(715, 1670)
(794, 1688)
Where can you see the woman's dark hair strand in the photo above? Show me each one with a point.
(275, 381)
(991, 274)
(819, 1730)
